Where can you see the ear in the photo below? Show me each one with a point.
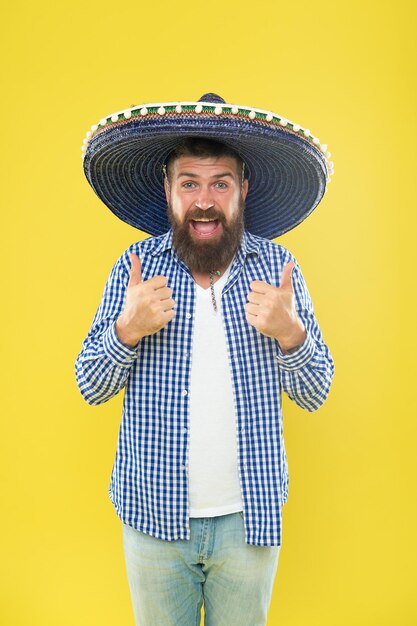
(244, 189)
(167, 188)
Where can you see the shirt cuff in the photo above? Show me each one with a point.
(300, 357)
(117, 351)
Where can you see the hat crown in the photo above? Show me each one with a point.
(212, 97)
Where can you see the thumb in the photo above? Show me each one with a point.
(286, 278)
(135, 270)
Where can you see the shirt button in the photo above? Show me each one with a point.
(183, 467)
(188, 316)
(184, 393)
(185, 430)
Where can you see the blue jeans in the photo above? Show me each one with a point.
(170, 579)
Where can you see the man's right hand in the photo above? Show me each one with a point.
(148, 308)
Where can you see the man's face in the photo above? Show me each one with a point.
(205, 199)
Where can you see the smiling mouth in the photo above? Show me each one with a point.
(205, 227)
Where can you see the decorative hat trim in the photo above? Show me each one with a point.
(178, 108)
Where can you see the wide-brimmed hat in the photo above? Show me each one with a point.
(288, 168)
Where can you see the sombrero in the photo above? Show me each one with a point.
(288, 168)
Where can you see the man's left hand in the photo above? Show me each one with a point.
(271, 310)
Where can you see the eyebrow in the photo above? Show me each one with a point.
(191, 175)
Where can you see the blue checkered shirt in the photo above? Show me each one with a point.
(149, 480)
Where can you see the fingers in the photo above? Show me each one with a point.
(157, 282)
(156, 299)
(168, 304)
(164, 293)
(286, 277)
(167, 316)
(252, 309)
(251, 319)
(252, 306)
(255, 298)
(135, 270)
(259, 286)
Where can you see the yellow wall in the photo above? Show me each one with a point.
(347, 72)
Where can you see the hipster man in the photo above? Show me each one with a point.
(204, 324)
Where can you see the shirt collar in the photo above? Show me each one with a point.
(249, 245)
(161, 244)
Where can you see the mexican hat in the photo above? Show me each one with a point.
(288, 168)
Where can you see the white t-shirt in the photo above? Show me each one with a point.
(214, 486)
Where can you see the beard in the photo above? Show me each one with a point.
(206, 256)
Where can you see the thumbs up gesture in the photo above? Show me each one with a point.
(148, 308)
(271, 310)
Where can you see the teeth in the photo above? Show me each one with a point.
(204, 220)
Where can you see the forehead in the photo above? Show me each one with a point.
(205, 166)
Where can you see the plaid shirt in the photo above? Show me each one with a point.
(149, 481)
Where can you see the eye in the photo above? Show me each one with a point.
(221, 185)
(189, 184)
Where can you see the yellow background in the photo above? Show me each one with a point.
(347, 72)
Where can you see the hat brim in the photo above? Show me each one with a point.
(287, 173)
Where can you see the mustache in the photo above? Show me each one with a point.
(209, 214)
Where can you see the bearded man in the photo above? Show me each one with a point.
(204, 323)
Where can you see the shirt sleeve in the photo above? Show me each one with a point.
(307, 372)
(102, 367)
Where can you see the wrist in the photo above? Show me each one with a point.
(124, 334)
(294, 341)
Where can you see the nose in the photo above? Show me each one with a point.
(204, 200)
